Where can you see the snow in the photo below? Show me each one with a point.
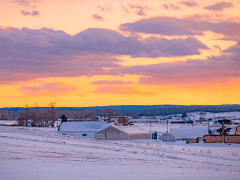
(8, 122)
(35, 153)
(221, 115)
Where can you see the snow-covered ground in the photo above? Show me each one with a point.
(41, 153)
(221, 115)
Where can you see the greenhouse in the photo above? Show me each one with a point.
(170, 137)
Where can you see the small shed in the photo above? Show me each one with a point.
(82, 129)
(115, 132)
(170, 137)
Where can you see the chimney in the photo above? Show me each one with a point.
(222, 128)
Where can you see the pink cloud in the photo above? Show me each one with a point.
(47, 89)
(107, 82)
(121, 90)
(97, 17)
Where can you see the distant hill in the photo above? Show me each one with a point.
(130, 107)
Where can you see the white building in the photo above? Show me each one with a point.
(82, 129)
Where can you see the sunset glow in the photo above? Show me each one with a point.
(94, 53)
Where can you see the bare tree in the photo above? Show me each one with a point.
(53, 112)
(122, 120)
(109, 113)
(35, 114)
(92, 116)
(4, 113)
(24, 115)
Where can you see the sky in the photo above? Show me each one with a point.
(135, 52)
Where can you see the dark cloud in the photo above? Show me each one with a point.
(27, 3)
(27, 13)
(31, 53)
(234, 49)
(140, 9)
(219, 6)
(189, 3)
(191, 73)
(102, 8)
(171, 7)
(97, 17)
(192, 25)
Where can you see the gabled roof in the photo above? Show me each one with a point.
(84, 126)
(190, 132)
(169, 134)
(130, 129)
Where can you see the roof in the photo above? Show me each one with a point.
(84, 126)
(190, 132)
(130, 129)
(221, 135)
(229, 129)
(174, 134)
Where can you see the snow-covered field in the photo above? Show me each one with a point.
(41, 153)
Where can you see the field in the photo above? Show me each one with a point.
(41, 153)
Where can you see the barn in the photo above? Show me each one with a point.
(116, 132)
(82, 129)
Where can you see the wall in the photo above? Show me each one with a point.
(90, 134)
(111, 133)
(215, 139)
(139, 136)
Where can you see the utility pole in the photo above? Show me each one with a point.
(150, 123)
(167, 126)
(208, 126)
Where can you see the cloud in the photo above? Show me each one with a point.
(46, 89)
(107, 82)
(27, 3)
(235, 50)
(27, 13)
(97, 17)
(219, 6)
(171, 7)
(191, 25)
(10, 97)
(121, 90)
(27, 54)
(140, 9)
(102, 8)
(191, 73)
(189, 3)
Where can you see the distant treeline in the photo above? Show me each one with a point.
(84, 113)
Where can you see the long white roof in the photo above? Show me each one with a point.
(84, 126)
(190, 132)
(134, 129)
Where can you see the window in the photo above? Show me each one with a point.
(84, 135)
(226, 139)
(213, 138)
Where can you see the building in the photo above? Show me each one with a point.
(222, 139)
(228, 134)
(82, 129)
(170, 137)
(116, 132)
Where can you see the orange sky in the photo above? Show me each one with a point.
(97, 53)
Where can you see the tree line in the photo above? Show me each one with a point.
(47, 116)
